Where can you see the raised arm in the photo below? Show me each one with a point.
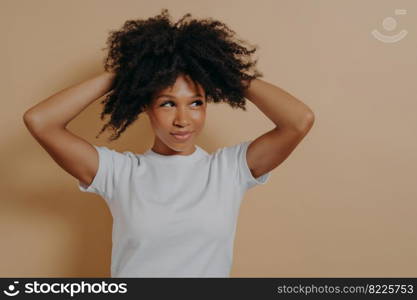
(59, 109)
(293, 120)
(47, 122)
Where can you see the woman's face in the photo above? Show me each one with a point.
(177, 109)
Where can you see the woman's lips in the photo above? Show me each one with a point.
(182, 137)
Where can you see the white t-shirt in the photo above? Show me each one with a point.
(173, 215)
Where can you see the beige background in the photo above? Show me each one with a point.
(343, 204)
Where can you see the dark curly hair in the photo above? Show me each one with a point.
(147, 56)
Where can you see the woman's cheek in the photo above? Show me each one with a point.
(198, 114)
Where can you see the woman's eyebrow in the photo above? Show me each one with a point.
(170, 96)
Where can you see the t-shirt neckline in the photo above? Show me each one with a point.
(197, 154)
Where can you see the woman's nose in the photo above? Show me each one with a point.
(181, 117)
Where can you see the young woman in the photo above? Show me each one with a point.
(175, 206)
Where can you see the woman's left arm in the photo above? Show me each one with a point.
(292, 118)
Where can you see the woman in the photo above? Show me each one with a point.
(175, 206)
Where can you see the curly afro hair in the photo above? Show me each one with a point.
(147, 56)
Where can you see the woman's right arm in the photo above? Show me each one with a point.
(47, 122)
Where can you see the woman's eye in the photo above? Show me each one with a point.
(199, 102)
(166, 103)
(170, 102)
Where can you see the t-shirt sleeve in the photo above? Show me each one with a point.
(113, 166)
(237, 155)
(244, 175)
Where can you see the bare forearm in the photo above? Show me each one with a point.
(279, 106)
(59, 109)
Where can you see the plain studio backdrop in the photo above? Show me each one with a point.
(342, 204)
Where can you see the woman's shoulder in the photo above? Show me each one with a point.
(232, 150)
(118, 156)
